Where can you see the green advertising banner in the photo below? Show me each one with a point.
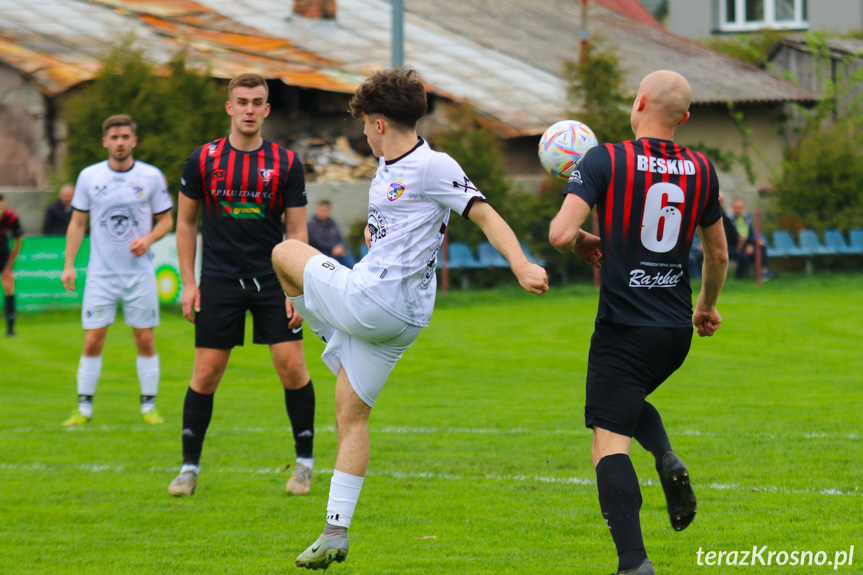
(38, 270)
(40, 265)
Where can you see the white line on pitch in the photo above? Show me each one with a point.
(404, 430)
(102, 468)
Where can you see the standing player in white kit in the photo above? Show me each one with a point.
(121, 196)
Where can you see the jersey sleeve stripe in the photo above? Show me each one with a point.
(630, 177)
(695, 210)
(707, 184)
(609, 202)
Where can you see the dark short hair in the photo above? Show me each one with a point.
(248, 80)
(324, 203)
(2, 198)
(117, 121)
(398, 94)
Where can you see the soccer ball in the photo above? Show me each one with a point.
(563, 145)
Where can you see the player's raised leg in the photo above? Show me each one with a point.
(352, 460)
(289, 260)
(89, 371)
(290, 364)
(673, 474)
(207, 372)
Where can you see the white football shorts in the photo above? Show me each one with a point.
(361, 336)
(136, 292)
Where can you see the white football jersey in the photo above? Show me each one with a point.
(409, 204)
(121, 206)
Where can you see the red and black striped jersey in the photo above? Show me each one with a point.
(650, 195)
(10, 227)
(244, 195)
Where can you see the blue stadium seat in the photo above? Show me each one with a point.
(363, 250)
(835, 240)
(856, 241)
(784, 242)
(530, 257)
(460, 257)
(810, 242)
(772, 251)
(490, 257)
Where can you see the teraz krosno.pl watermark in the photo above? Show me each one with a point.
(758, 556)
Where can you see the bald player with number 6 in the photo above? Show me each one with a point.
(651, 195)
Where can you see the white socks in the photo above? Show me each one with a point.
(148, 374)
(344, 494)
(307, 462)
(90, 369)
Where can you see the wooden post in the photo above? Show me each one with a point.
(757, 231)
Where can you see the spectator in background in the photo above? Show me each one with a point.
(746, 239)
(324, 236)
(10, 227)
(58, 214)
(732, 236)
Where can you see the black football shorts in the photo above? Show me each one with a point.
(625, 364)
(221, 323)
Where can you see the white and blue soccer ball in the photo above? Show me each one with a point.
(563, 145)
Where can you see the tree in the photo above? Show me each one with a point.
(176, 110)
(596, 89)
(821, 183)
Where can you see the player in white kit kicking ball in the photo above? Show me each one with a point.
(370, 315)
(121, 196)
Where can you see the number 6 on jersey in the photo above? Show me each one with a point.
(660, 222)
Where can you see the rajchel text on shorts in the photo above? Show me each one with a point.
(758, 556)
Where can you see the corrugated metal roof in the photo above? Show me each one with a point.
(548, 34)
(58, 43)
(515, 97)
(503, 57)
(838, 46)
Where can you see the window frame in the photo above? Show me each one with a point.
(800, 21)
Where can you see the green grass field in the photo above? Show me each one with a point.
(480, 460)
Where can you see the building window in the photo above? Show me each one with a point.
(749, 15)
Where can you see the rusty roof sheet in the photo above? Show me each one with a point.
(505, 59)
(514, 97)
(548, 34)
(59, 43)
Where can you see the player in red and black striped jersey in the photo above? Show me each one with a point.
(651, 196)
(244, 184)
(10, 228)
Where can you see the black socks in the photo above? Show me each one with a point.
(650, 433)
(10, 314)
(300, 405)
(197, 412)
(620, 502)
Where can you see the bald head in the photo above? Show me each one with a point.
(66, 194)
(662, 101)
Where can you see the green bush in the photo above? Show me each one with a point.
(821, 183)
(176, 110)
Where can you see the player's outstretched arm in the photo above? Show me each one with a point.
(74, 237)
(705, 318)
(530, 276)
(187, 240)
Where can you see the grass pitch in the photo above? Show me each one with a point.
(480, 462)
